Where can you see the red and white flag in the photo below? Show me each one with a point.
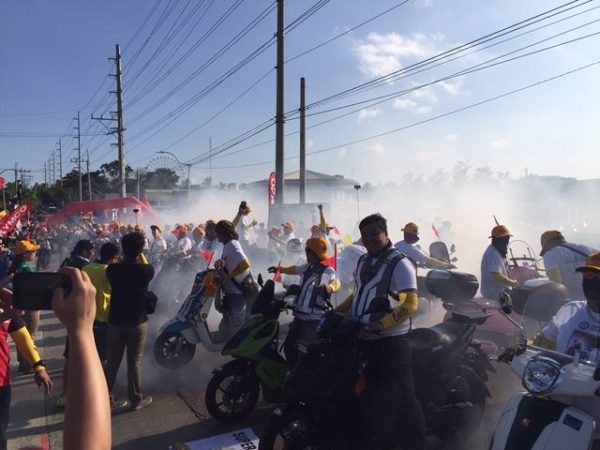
(332, 262)
(2, 182)
(277, 277)
(10, 222)
(208, 256)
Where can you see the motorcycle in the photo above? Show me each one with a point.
(176, 343)
(559, 407)
(325, 386)
(233, 390)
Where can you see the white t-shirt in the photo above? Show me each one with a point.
(575, 327)
(211, 246)
(404, 278)
(347, 262)
(413, 252)
(566, 261)
(327, 278)
(243, 228)
(185, 245)
(287, 236)
(159, 245)
(233, 255)
(492, 262)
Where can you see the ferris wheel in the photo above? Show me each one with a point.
(165, 162)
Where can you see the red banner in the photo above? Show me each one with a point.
(208, 256)
(272, 188)
(10, 222)
(2, 183)
(277, 277)
(332, 262)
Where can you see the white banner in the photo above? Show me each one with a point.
(244, 439)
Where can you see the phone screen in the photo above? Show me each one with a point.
(33, 290)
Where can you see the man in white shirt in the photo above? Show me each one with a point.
(159, 244)
(288, 231)
(494, 266)
(210, 244)
(243, 224)
(184, 243)
(576, 326)
(414, 253)
(561, 258)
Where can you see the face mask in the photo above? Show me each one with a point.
(591, 289)
(501, 244)
(411, 238)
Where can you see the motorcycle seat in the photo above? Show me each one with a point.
(428, 344)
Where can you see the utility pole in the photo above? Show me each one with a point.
(78, 159)
(53, 169)
(279, 115)
(45, 174)
(138, 183)
(60, 173)
(87, 163)
(120, 129)
(16, 177)
(302, 140)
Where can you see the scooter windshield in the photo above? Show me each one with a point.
(564, 329)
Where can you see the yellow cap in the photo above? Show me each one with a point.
(550, 235)
(592, 263)
(500, 231)
(26, 247)
(319, 246)
(411, 228)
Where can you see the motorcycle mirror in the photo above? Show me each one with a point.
(260, 280)
(454, 259)
(452, 248)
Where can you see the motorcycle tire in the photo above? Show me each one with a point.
(172, 351)
(232, 396)
(288, 431)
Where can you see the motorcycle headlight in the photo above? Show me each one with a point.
(541, 375)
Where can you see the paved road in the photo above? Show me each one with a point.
(177, 413)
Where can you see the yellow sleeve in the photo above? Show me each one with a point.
(241, 267)
(344, 307)
(437, 264)
(502, 279)
(542, 341)
(236, 219)
(409, 304)
(334, 286)
(143, 259)
(25, 345)
(554, 275)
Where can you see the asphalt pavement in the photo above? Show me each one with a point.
(177, 413)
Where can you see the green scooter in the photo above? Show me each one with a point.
(234, 389)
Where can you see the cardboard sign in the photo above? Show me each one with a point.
(244, 439)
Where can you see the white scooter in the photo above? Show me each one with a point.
(176, 343)
(561, 403)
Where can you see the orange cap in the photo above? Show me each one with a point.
(592, 263)
(411, 228)
(26, 247)
(500, 231)
(550, 235)
(319, 246)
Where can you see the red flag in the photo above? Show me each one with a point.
(2, 182)
(332, 262)
(336, 231)
(11, 221)
(435, 231)
(208, 256)
(277, 277)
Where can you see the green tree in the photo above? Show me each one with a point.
(161, 178)
(110, 171)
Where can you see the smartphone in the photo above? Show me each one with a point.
(32, 291)
(243, 205)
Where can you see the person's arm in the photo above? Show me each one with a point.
(438, 264)
(237, 219)
(322, 221)
(407, 307)
(344, 307)
(554, 275)
(240, 268)
(87, 417)
(504, 280)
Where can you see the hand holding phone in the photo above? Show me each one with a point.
(33, 290)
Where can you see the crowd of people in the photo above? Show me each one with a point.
(112, 266)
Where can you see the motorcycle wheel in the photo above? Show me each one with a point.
(231, 396)
(172, 351)
(287, 432)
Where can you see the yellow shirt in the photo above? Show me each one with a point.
(97, 274)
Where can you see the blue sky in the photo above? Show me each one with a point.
(55, 62)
